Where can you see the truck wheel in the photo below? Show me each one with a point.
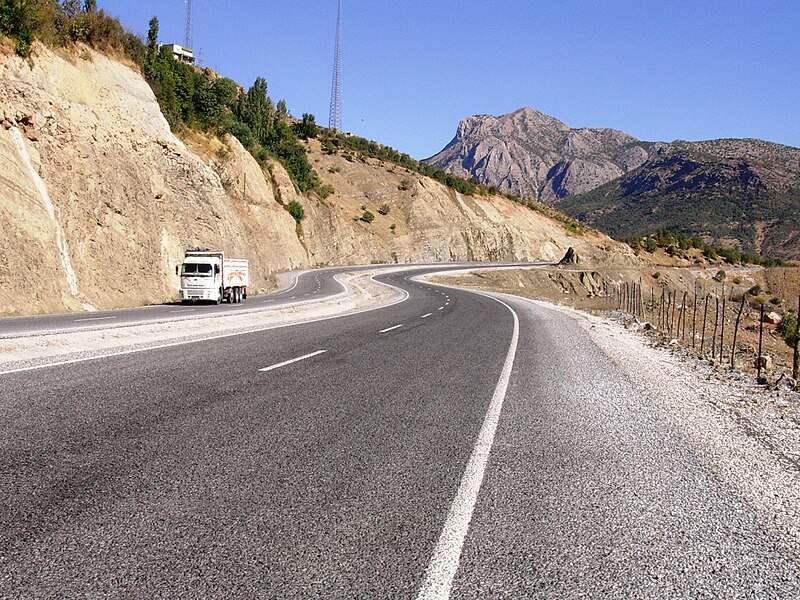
(244, 293)
(219, 299)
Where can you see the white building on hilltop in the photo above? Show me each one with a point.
(181, 54)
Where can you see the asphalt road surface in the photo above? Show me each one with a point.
(452, 445)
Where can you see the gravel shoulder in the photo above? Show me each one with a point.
(747, 435)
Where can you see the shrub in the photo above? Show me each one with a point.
(296, 210)
(384, 209)
(775, 301)
(650, 245)
(367, 217)
(405, 185)
(754, 291)
(787, 328)
(720, 276)
(324, 190)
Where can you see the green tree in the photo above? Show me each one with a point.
(307, 128)
(281, 109)
(152, 37)
(90, 6)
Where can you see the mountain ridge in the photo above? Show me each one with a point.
(753, 184)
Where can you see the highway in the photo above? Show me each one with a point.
(455, 444)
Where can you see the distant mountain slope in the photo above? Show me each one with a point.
(532, 154)
(736, 193)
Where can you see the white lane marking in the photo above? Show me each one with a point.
(426, 316)
(293, 360)
(182, 310)
(94, 319)
(292, 297)
(390, 328)
(440, 308)
(446, 556)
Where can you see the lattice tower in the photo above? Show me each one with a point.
(335, 117)
(187, 34)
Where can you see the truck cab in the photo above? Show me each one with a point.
(208, 276)
(201, 277)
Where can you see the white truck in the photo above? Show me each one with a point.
(210, 276)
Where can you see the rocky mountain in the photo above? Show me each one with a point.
(734, 193)
(98, 199)
(534, 155)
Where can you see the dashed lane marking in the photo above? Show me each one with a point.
(390, 328)
(94, 319)
(426, 316)
(293, 360)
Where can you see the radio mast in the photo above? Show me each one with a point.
(187, 34)
(335, 117)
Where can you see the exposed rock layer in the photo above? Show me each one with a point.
(128, 197)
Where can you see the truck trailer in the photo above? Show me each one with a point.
(210, 276)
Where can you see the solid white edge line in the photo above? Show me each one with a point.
(444, 563)
(293, 360)
(214, 337)
(390, 328)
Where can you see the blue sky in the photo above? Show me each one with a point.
(412, 70)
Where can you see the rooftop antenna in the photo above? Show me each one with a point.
(335, 118)
(187, 34)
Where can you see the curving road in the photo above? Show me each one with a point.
(451, 445)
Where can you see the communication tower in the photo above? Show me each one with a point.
(335, 117)
(187, 34)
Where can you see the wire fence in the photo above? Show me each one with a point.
(708, 320)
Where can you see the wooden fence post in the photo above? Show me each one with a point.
(685, 296)
(722, 333)
(694, 315)
(760, 337)
(714, 335)
(736, 331)
(796, 358)
(703, 334)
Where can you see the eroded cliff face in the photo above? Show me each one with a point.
(98, 199)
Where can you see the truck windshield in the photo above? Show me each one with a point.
(195, 270)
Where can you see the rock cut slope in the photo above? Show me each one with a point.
(98, 199)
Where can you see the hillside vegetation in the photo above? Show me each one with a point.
(743, 195)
